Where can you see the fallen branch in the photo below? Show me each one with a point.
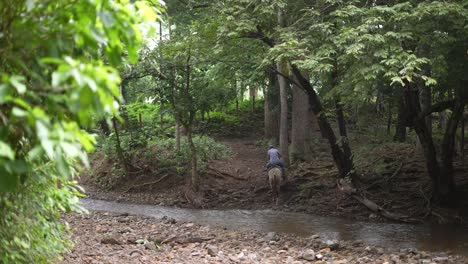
(347, 188)
(148, 183)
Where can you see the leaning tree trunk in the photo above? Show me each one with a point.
(342, 160)
(271, 105)
(441, 186)
(446, 181)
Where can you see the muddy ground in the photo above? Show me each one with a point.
(401, 186)
(113, 238)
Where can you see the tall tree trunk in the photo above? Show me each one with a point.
(446, 181)
(192, 181)
(462, 140)
(441, 184)
(118, 147)
(342, 161)
(272, 109)
(253, 94)
(300, 111)
(280, 65)
(343, 133)
(400, 129)
(177, 135)
(425, 99)
(389, 118)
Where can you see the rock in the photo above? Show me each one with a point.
(341, 261)
(195, 254)
(379, 251)
(371, 250)
(111, 239)
(150, 246)
(252, 256)
(319, 256)
(440, 259)
(189, 225)
(333, 244)
(358, 243)
(212, 250)
(241, 256)
(309, 255)
(320, 262)
(314, 237)
(372, 216)
(272, 236)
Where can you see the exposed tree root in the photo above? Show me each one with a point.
(193, 198)
(148, 183)
(218, 173)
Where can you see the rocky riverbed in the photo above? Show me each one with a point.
(121, 238)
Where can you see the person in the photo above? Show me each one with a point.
(274, 159)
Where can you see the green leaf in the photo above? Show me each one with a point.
(16, 81)
(8, 180)
(6, 151)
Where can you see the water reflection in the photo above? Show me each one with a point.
(423, 237)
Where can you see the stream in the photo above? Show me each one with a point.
(423, 237)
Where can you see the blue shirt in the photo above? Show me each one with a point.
(274, 155)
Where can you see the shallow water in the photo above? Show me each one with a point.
(423, 237)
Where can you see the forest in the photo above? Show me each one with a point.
(129, 130)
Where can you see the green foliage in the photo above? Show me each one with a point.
(207, 149)
(57, 72)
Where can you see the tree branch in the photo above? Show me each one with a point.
(439, 107)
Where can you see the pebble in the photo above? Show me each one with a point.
(150, 246)
(309, 254)
(212, 250)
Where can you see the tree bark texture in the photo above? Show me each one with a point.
(425, 99)
(280, 65)
(283, 137)
(192, 181)
(299, 126)
(442, 184)
(400, 128)
(272, 107)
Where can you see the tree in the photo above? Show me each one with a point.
(54, 80)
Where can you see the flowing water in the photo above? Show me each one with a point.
(423, 237)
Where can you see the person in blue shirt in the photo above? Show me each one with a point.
(274, 159)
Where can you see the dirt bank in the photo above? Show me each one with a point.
(112, 238)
